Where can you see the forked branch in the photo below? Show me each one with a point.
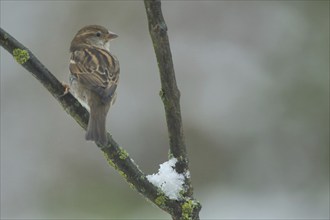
(183, 208)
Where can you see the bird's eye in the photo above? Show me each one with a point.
(98, 34)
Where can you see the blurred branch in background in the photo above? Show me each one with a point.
(184, 207)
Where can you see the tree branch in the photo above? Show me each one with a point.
(169, 93)
(186, 208)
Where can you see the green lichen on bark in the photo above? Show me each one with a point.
(162, 94)
(160, 200)
(187, 209)
(21, 56)
(109, 161)
(123, 154)
(122, 174)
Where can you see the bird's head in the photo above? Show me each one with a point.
(93, 35)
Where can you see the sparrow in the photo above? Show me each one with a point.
(94, 74)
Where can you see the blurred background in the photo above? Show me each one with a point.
(254, 79)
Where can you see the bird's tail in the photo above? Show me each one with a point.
(96, 124)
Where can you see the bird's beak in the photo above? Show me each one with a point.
(112, 35)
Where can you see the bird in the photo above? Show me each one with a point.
(94, 75)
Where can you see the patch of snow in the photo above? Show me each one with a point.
(168, 179)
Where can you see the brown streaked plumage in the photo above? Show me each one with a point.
(94, 76)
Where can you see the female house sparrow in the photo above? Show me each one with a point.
(94, 76)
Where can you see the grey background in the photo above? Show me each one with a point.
(254, 78)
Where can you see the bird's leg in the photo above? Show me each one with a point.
(66, 89)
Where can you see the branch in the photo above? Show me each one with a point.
(169, 94)
(187, 208)
(116, 156)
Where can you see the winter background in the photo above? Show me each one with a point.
(254, 79)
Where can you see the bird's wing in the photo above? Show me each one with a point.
(97, 70)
